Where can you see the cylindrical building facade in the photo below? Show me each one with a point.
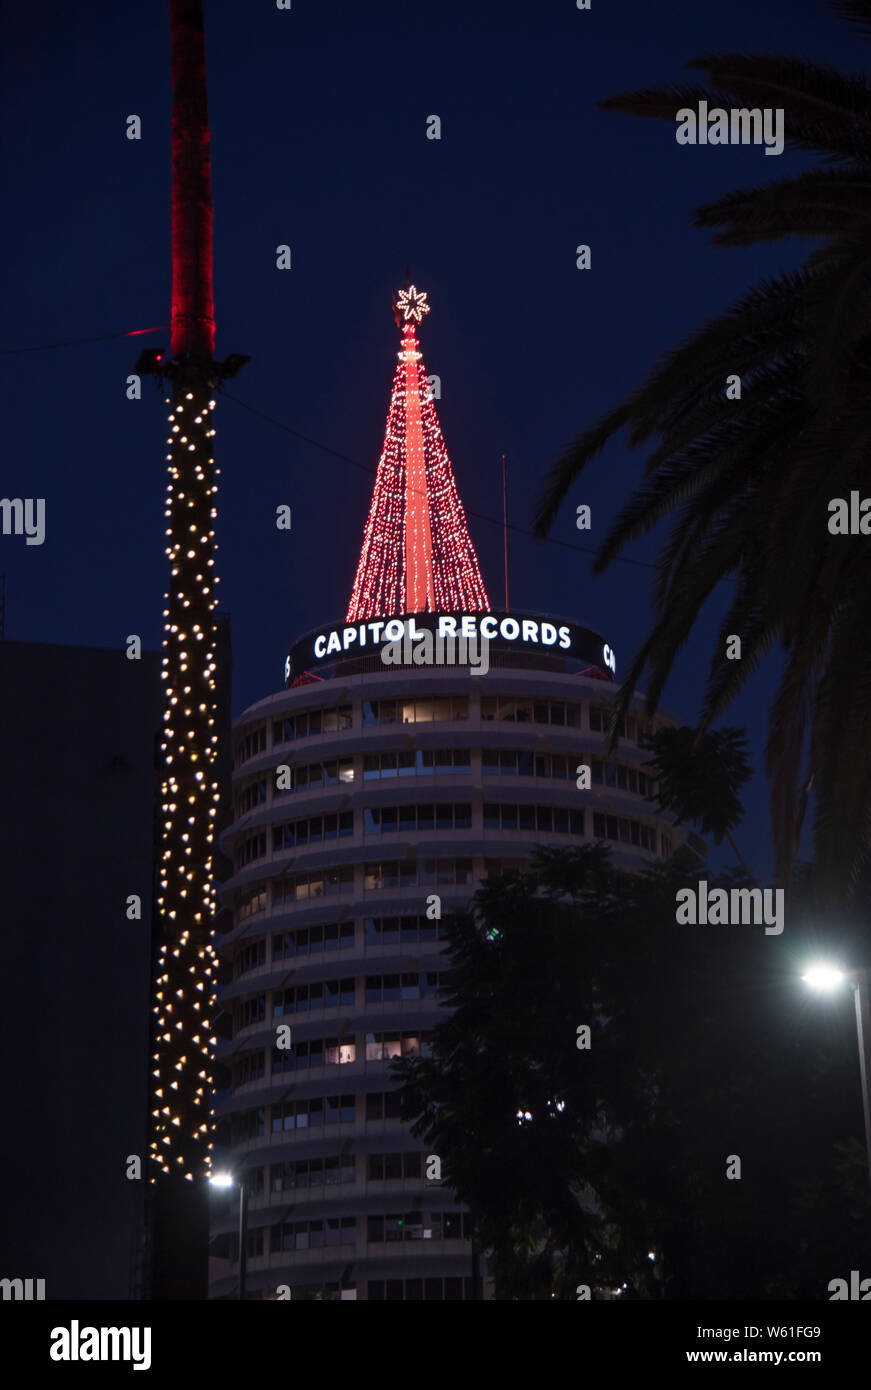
(369, 798)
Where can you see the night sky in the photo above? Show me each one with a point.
(319, 141)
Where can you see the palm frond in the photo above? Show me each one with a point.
(662, 102)
(745, 485)
(570, 465)
(856, 12)
(824, 110)
(821, 202)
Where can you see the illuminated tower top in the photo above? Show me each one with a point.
(417, 554)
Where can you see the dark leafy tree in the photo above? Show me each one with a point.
(698, 778)
(577, 1164)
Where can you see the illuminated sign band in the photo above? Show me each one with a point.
(502, 631)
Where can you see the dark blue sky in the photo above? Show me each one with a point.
(319, 140)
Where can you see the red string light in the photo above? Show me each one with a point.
(417, 555)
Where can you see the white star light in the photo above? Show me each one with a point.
(412, 304)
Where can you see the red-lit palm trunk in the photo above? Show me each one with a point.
(184, 958)
(193, 308)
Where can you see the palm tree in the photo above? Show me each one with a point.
(698, 778)
(185, 962)
(746, 483)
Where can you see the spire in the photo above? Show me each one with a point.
(417, 554)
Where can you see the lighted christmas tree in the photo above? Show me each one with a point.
(417, 554)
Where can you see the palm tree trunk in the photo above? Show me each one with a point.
(193, 309)
(184, 961)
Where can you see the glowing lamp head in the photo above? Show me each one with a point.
(221, 1179)
(823, 978)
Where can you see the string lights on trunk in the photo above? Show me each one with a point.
(186, 960)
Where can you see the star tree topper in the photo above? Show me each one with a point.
(410, 305)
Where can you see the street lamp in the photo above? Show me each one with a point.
(224, 1179)
(825, 978)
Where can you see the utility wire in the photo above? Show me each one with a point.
(324, 448)
(366, 468)
(77, 342)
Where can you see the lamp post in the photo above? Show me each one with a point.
(227, 1180)
(825, 978)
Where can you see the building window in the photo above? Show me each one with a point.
(624, 831)
(423, 873)
(386, 989)
(324, 884)
(310, 776)
(249, 957)
(312, 1114)
(253, 795)
(308, 722)
(391, 1167)
(255, 1181)
(383, 1047)
(310, 1235)
(253, 1244)
(334, 936)
(313, 830)
(251, 900)
(251, 1067)
(317, 1052)
(309, 1112)
(306, 998)
(383, 1105)
(395, 931)
(621, 776)
(418, 1225)
(251, 1011)
(250, 1124)
(253, 847)
(554, 766)
(550, 819)
(288, 1059)
(632, 728)
(392, 820)
(249, 746)
(522, 710)
(421, 762)
(442, 708)
(312, 1172)
(339, 1110)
